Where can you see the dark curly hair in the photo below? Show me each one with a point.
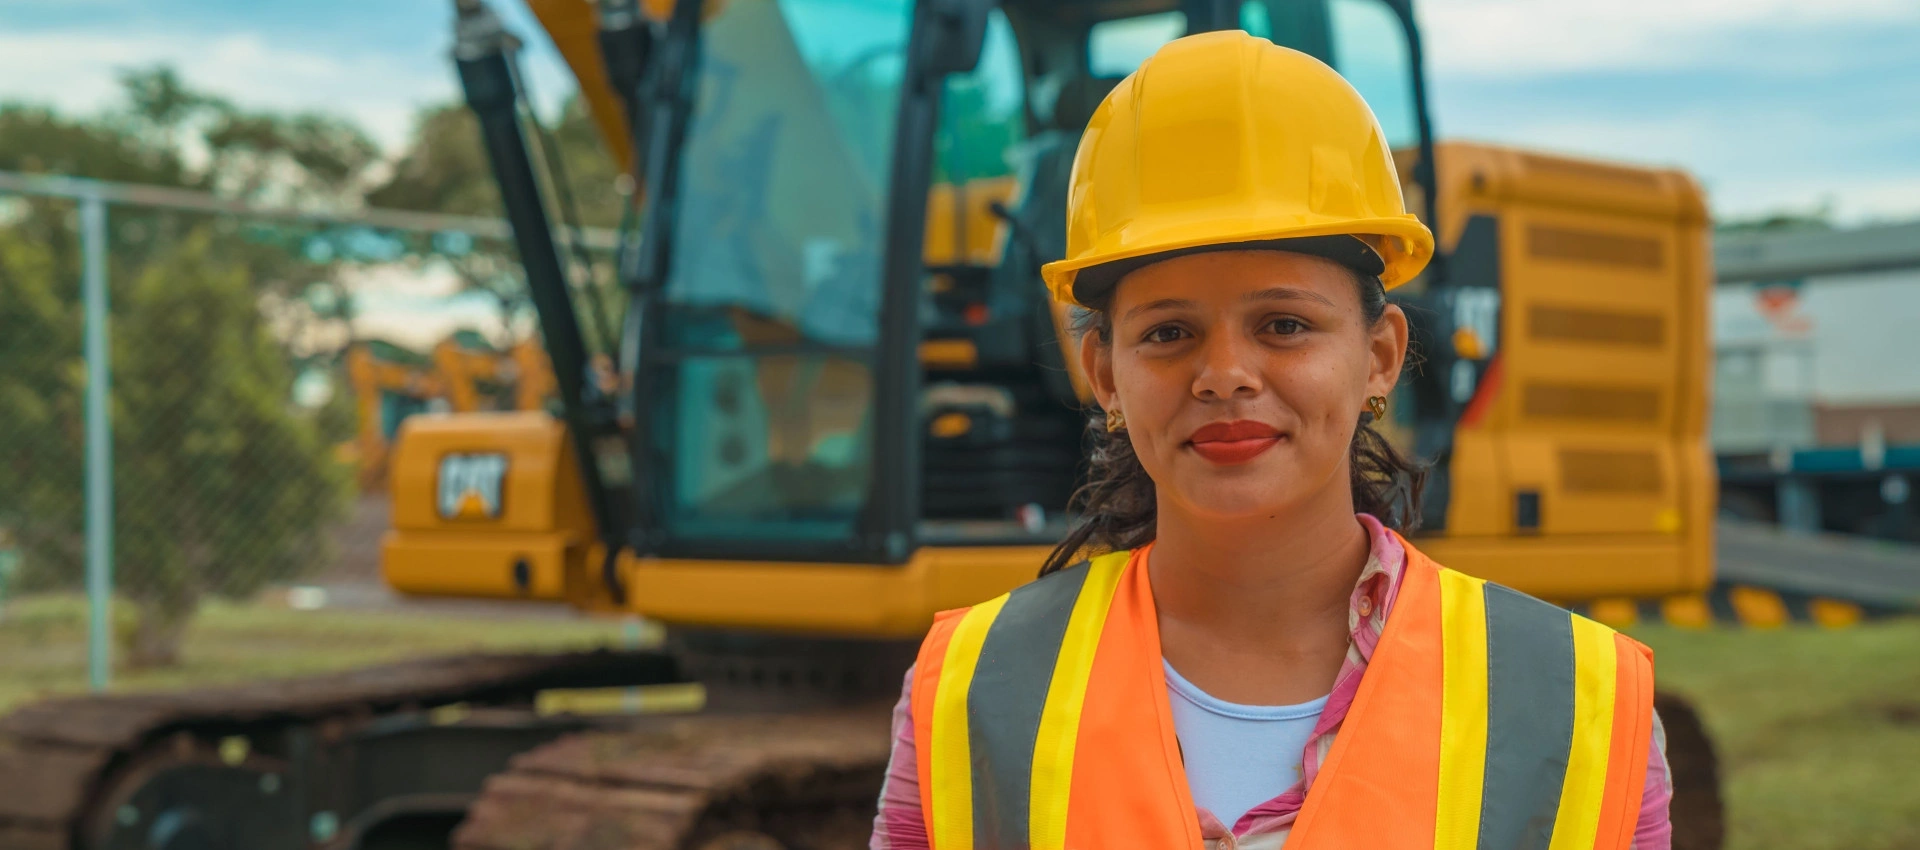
(1116, 505)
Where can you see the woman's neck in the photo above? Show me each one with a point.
(1255, 612)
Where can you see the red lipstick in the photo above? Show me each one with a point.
(1234, 442)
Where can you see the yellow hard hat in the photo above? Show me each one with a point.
(1223, 140)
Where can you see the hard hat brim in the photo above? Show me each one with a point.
(1094, 283)
(1403, 244)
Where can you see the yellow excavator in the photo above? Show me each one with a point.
(462, 373)
(777, 436)
(838, 404)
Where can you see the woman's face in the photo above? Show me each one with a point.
(1242, 376)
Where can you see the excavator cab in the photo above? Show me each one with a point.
(849, 353)
(840, 400)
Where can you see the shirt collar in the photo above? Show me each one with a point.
(1377, 587)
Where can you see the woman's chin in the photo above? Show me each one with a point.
(1219, 499)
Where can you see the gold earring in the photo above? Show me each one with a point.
(1377, 405)
(1116, 421)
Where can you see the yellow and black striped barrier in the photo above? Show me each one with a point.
(1734, 604)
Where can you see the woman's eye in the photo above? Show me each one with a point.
(1165, 333)
(1286, 327)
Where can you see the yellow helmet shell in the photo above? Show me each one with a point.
(1221, 138)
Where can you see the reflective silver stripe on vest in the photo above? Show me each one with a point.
(1530, 667)
(1005, 701)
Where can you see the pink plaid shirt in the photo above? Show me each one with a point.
(901, 826)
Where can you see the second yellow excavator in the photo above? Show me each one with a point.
(462, 374)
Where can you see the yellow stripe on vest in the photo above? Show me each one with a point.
(952, 770)
(1066, 694)
(1595, 671)
(1463, 716)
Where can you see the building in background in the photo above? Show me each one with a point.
(1816, 411)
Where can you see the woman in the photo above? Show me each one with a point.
(1258, 657)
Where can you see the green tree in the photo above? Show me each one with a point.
(40, 414)
(445, 169)
(222, 484)
(594, 176)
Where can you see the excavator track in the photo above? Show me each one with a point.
(163, 771)
(767, 782)
(252, 765)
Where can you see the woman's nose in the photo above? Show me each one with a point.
(1226, 368)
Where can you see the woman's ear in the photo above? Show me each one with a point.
(1096, 362)
(1387, 347)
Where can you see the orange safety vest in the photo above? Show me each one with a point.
(1486, 720)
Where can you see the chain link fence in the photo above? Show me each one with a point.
(260, 363)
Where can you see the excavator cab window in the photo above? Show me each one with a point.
(769, 321)
(998, 443)
(977, 148)
(1363, 39)
(1116, 47)
(1370, 49)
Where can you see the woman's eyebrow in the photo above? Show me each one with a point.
(1281, 293)
(1162, 304)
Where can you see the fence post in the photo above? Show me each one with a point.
(93, 245)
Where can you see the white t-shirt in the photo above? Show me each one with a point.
(1238, 756)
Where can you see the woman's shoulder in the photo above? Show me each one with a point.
(1076, 572)
(1519, 610)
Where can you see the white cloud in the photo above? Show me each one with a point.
(75, 70)
(420, 328)
(433, 280)
(1774, 105)
(1476, 37)
(417, 306)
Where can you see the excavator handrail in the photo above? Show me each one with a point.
(484, 52)
(647, 252)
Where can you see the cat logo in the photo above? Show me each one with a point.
(470, 485)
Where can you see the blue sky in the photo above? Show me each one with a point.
(1773, 104)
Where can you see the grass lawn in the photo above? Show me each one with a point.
(1818, 731)
(43, 643)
